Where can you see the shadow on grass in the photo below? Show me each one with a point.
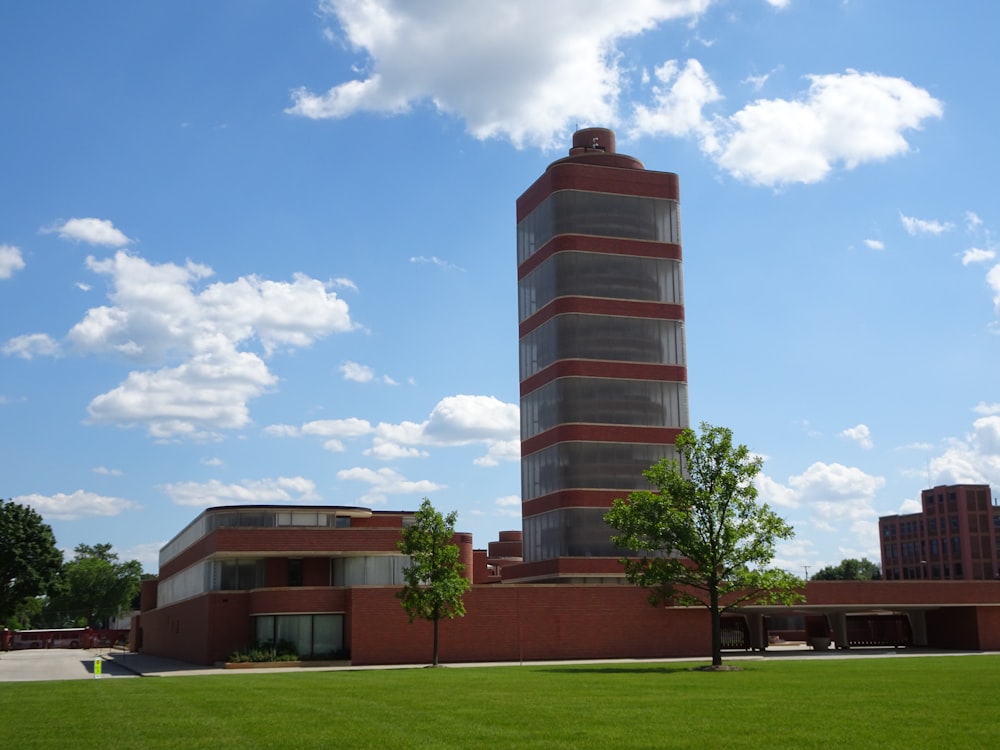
(620, 669)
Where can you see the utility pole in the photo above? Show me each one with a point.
(806, 568)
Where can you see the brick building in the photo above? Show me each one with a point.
(956, 537)
(603, 366)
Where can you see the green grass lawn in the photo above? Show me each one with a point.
(894, 702)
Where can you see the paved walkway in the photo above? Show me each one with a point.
(78, 664)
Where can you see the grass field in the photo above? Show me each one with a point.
(894, 702)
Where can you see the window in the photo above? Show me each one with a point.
(316, 636)
(239, 574)
(295, 571)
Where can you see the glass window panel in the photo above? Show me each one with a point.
(589, 465)
(598, 214)
(602, 337)
(643, 403)
(588, 274)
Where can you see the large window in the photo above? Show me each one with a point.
(238, 574)
(599, 214)
(572, 532)
(585, 465)
(602, 337)
(369, 570)
(641, 403)
(313, 635)
(587, 274)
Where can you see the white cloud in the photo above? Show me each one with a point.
(779, 4)
(32, 345)
(80, 504)
(993, 279)
(159, 316)
(508, 506)
(291, 490)
(357, 373)
(837, 499)
(105, 471)
(875, 244)
(850, 119)
(972, 221)
(521, 69)
(92, 231)
(10, 261)
(455, 421)
(678, 103)
(387, 450)
(860, 434)
(209, 392)
(915, 226)
(435, 261)
(282, 430)
(977, 255)
(500, 451)
(983, 408)
(384, 482)
(350, 427)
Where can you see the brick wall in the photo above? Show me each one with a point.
(514, 623)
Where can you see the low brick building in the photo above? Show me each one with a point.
(325, 579)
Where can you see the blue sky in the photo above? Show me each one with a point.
(263, 250)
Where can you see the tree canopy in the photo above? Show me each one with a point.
(94, 587)
(702, 536)
(29, 557)
(850, 569)
(435, 580)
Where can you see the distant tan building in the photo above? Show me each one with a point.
(955, 538)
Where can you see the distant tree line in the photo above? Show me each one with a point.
(39, 589)
(850, 570)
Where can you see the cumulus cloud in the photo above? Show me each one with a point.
(973, 458)
(915, 226)
(91, 231)
(522, 72)
(977, 255)
(194, 342)
(10, 261)
(105, 471)
(860, 434)
(290, 490)
(679, 98)
(833, 498)
(844, 118)
(875, 244)
(456, 421)
(80, 504)
(384, 482)
(32, 345)
(508, 506)
(357, 372)
(521, 69)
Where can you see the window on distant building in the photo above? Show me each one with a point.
(295, 571)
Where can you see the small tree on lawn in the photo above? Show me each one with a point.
(435, 580)
(709, 541)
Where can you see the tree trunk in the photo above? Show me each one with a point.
(716, 627)
(435, 661)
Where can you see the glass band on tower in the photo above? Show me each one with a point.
(603, 368)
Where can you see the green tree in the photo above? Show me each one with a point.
(435, 580)
(850, 570)
(704, 537)
(95, 586)
(29, 558)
